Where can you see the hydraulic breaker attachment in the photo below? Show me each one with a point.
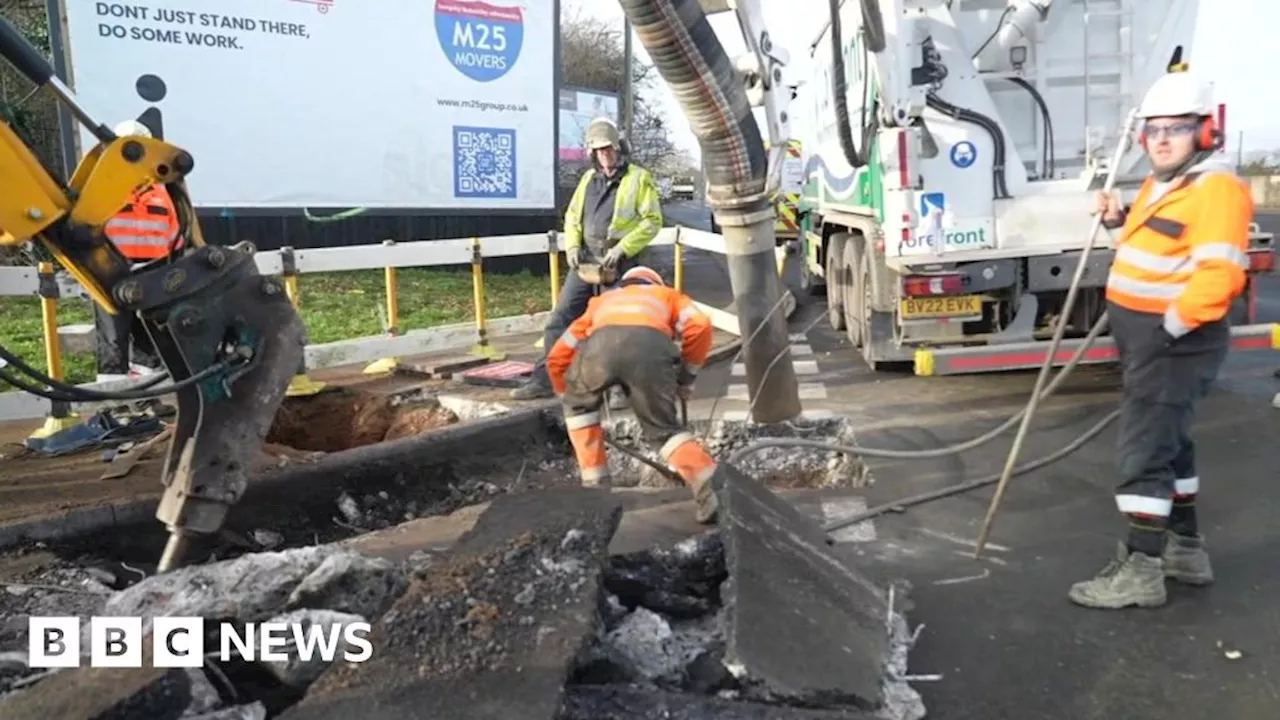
(211, 307)
(229, 337)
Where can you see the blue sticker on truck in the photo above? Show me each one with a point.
(931, 203)
(963, 154)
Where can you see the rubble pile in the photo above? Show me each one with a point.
(781, 467)
(525, 616)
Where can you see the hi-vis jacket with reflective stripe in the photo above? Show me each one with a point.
(1183, 251)
(653, 306)
(146, 226)
(637, 211)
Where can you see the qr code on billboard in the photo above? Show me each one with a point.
(484, 162)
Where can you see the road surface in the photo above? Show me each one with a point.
(1000, 631)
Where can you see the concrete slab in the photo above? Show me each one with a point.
(490, 633)
(803, 625)
(87, 693)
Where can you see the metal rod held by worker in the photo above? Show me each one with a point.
(1011, 462)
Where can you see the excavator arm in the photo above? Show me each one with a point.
(229, 338)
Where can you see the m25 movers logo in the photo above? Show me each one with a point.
(482, 40)
(178, 642)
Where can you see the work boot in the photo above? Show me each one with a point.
(1130, 579)
(1186, 560)
(532, 390)
(704, 496)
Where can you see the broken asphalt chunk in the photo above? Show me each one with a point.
(802, 625)
(92, 693)
(458, 644)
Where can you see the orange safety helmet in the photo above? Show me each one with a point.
(643, 274)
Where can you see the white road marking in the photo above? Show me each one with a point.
(742, 416)
(959, 540)
(807, 391)
(801, 349)
(803, 367)
(833, 511)
(798, 337)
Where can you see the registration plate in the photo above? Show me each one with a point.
(942, 307)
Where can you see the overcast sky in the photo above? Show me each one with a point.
(1228, 51)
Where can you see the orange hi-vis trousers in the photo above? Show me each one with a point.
(587, 437)
(684, 454)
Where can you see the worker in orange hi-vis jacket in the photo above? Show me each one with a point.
(1180, 261)
(146, 229)
(628, 336)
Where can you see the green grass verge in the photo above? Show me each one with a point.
(335, 306)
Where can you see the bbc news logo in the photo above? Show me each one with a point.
(179, 642)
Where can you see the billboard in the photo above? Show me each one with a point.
(577, 108)
(333, 103)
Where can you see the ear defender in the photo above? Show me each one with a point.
(1208, 137)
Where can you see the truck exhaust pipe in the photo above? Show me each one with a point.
(694, 65)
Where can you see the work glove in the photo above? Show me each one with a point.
(613, 257)
(573, 256)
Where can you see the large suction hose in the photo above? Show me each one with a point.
(691, 60)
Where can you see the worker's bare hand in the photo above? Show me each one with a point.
(1108, 204)
(684, 392)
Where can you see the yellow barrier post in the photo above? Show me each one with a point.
(677, 252)
(553, 250)
(482, 347)
(300, 385)
(388, 364)
(60, 416)
(553, 262)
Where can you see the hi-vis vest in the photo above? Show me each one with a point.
(653, 306)
(1183, 254)
(637, 211)
(146, 226)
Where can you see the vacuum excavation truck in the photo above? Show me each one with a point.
(953, 150)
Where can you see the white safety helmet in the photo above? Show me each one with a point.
(603, 133)
(643, 274)
(1176, 94)
(132, 127)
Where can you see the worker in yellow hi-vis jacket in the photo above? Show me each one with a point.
(613, 216)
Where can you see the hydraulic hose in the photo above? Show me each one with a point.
(999, 189)
(691, 60)
(983, 439)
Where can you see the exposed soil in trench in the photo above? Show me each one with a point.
(33, 485)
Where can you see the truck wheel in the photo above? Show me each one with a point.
(836, 284)
(855, 293)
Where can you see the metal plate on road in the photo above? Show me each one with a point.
(958, 306)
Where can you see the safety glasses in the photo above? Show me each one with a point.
(1155, 131)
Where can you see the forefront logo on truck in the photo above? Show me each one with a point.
(955, 240)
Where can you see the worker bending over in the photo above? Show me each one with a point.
(1179, 263)
(613, 216)
(627, 336)
(145, 229)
